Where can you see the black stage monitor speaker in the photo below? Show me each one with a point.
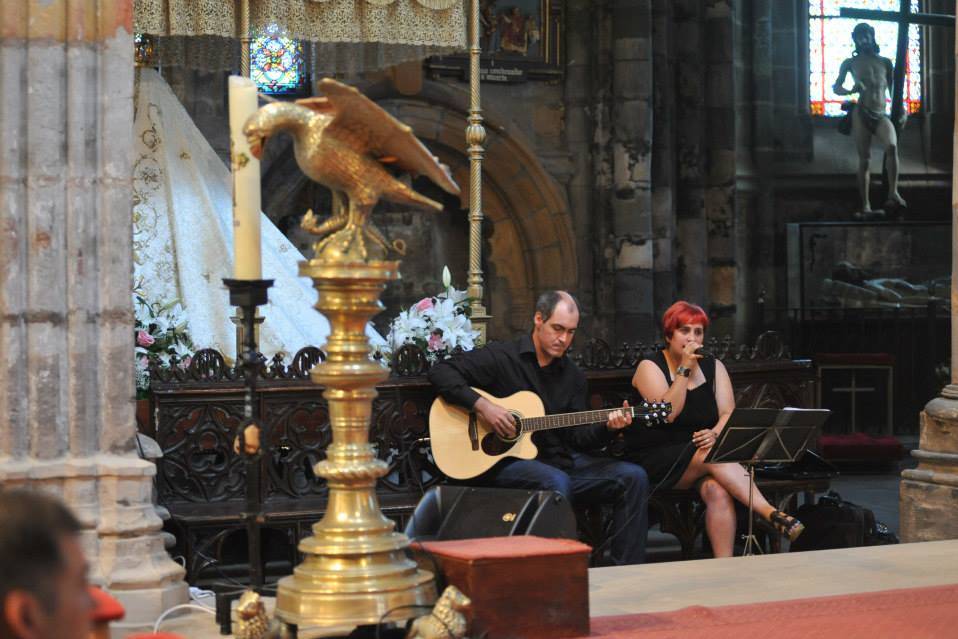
(464, 512)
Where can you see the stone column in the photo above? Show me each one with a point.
(928, 502)
(663, 160)
(631, 147)
(579, 99)
(690, 149)
(66, 372)
(720, 201)
(601, 171)
(939, 107)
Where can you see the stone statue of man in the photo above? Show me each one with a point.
(873, 77)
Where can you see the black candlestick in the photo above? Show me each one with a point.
(247, 295)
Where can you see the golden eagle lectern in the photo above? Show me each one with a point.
(342, 140)
(354, 565)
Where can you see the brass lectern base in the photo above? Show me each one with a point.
(287, 631)
(307, 604)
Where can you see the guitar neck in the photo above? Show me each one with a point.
(565, 420)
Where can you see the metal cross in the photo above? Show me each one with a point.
(853, 392)
(903, 17)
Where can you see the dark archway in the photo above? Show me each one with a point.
(529, 239)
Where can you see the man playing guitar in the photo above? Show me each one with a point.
(538, 363)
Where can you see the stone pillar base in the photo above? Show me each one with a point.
(112, 496)
(144, 606)
(928, 501)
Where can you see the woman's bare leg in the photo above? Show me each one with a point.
(719, 517)
(732, 477)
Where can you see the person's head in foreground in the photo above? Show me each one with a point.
(43, 573)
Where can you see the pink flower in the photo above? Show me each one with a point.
(144, 339)
(424, 304)
(435, 342)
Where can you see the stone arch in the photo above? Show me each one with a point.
(532, 244)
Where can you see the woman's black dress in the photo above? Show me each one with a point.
(656, 448)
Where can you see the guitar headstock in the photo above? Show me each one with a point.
(654, 412)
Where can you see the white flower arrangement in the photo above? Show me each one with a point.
(438, 325)
(160, 332)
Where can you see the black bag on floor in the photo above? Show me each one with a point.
(836, 523)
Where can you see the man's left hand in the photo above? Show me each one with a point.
(619, 419)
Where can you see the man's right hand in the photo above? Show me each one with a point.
(498, 418)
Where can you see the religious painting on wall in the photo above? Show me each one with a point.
(868, 265)
(519, 41)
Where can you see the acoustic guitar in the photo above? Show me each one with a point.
(464, 446)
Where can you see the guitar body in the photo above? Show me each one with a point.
(464, 451)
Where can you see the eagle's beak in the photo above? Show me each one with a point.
(255, 145)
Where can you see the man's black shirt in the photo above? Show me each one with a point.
(504, 368)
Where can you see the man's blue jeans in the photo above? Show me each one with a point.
(590, 480)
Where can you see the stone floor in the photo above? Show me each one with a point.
(875, 490)
(719, 582)
(624, 590)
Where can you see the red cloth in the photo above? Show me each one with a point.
(105, 607)
(861, 446)
(916, 613)
(504, 547)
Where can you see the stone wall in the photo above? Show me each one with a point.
(66, 377)
(680, 140)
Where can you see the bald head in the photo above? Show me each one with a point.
(547, 302)
(554, 325)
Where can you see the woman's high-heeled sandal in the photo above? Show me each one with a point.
(786, 524)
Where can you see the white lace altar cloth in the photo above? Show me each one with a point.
(350, 35)
(183, 240)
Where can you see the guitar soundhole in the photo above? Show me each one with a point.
(492, 444)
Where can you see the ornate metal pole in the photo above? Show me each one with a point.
(244, 38)
(247, 296)
(475, 138)
(355, 568)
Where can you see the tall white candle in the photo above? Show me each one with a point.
(247, 264)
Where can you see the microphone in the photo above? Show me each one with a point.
(704, 352)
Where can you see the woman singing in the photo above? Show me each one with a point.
(700, 392)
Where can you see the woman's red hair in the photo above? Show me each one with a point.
(680, 314)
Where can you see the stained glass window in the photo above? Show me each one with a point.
(276, 62)
(830, 42)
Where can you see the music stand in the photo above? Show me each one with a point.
(760, 435)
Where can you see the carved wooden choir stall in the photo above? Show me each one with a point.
(201, 480)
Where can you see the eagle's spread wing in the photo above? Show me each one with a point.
(370, 128)
(322, 105)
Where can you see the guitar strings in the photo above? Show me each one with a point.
(645, 409)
